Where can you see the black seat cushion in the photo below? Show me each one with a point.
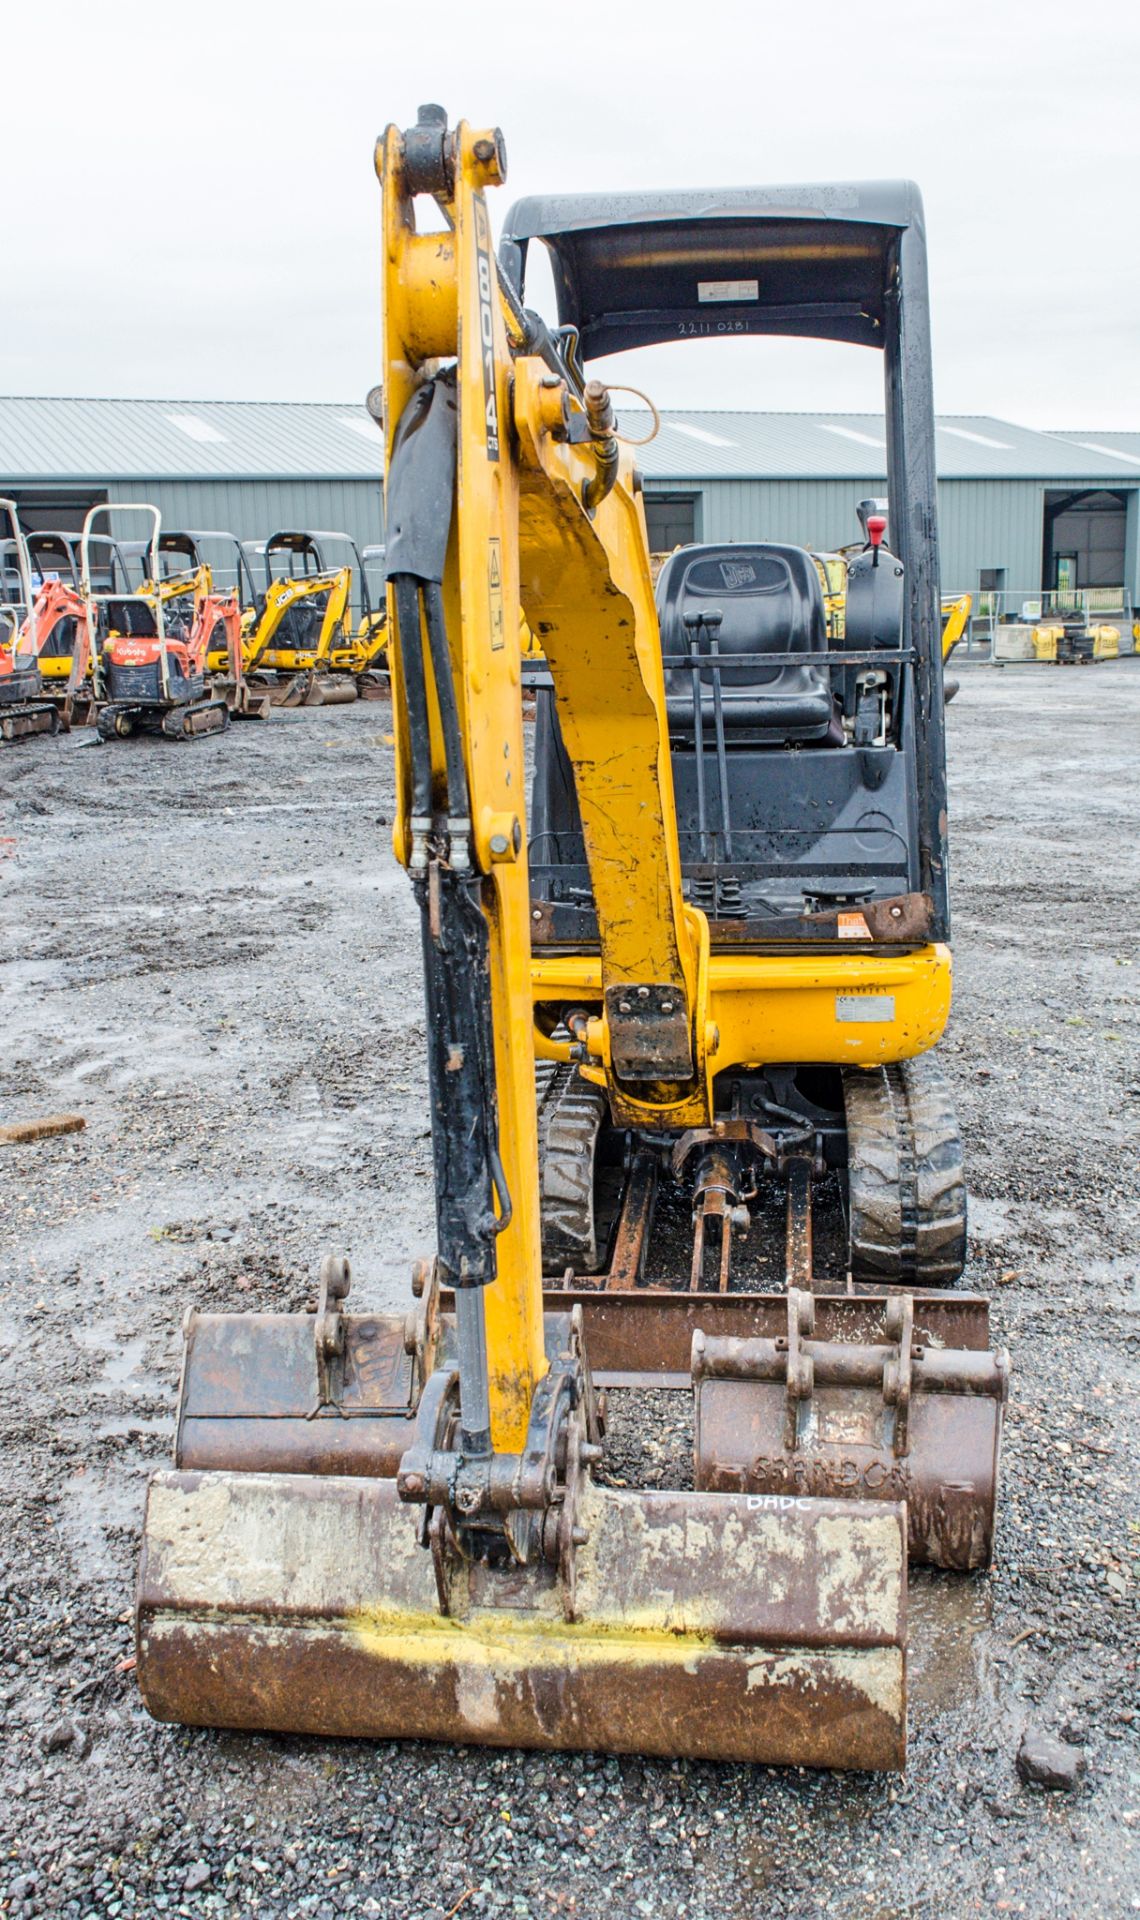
(771, 602)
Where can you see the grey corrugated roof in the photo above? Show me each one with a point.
(97, 440)
(185, 439)
(1123, 447)
(701, 445)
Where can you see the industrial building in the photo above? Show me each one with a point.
(1019, 509)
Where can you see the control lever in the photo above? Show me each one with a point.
(709, 621)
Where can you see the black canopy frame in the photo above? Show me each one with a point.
(840, 262)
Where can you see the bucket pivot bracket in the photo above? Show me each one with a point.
(496, 1508)
(333, 1283)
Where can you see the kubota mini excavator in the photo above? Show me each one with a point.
(721, 925)
(149, 678)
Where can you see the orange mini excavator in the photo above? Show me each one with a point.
(149, 678)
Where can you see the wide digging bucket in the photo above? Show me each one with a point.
(760, 1616)
(307, 689)
(716, 1626)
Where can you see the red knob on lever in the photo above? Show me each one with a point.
(876, 528)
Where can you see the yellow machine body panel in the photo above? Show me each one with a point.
(852, 1009)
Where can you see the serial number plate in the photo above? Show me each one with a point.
(727, 290)
(865, 1006)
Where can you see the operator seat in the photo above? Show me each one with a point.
(770, 601)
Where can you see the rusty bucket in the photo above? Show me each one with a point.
(719, 1626)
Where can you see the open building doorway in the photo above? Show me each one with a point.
(1085, 540)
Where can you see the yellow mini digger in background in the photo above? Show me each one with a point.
(299, 638)
(720, 928)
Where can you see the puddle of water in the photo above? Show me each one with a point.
(989, 1219)
(127, 1428)
(31, 976)
(123, 1359)
(114, 1060)
(94, 1505)
(950, 1619)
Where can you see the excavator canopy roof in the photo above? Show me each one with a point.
(635, 269)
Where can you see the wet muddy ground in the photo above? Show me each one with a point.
(209, 953)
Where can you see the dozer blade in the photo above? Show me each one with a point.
(244, 700)
(279, 689)
(714, 1626)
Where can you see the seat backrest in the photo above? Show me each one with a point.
(769, 597)
(770, 602)
(135, 617)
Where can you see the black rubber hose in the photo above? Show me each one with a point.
(457, 801)
(415, 690)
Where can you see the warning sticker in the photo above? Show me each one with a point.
(495, 592)
(853, 926)
(870, 1007)
(727, 290)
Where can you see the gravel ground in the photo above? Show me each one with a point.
(210, 954)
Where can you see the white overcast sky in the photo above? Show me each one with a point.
(191, 211)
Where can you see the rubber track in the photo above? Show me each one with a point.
(907, 1197)
(571, 1114)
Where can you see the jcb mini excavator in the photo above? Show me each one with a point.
(148, 677)
(197, 606)
(721, 927)
(299, 639)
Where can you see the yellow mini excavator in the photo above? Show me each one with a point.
(715, 941)
(298, 635)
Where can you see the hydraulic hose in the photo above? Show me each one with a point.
(458, 805)
(415, 697)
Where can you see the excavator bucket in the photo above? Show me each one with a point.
(720, 1626)
(307, 689)
(330, 690)
(286, 1585)
(760, 1615)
